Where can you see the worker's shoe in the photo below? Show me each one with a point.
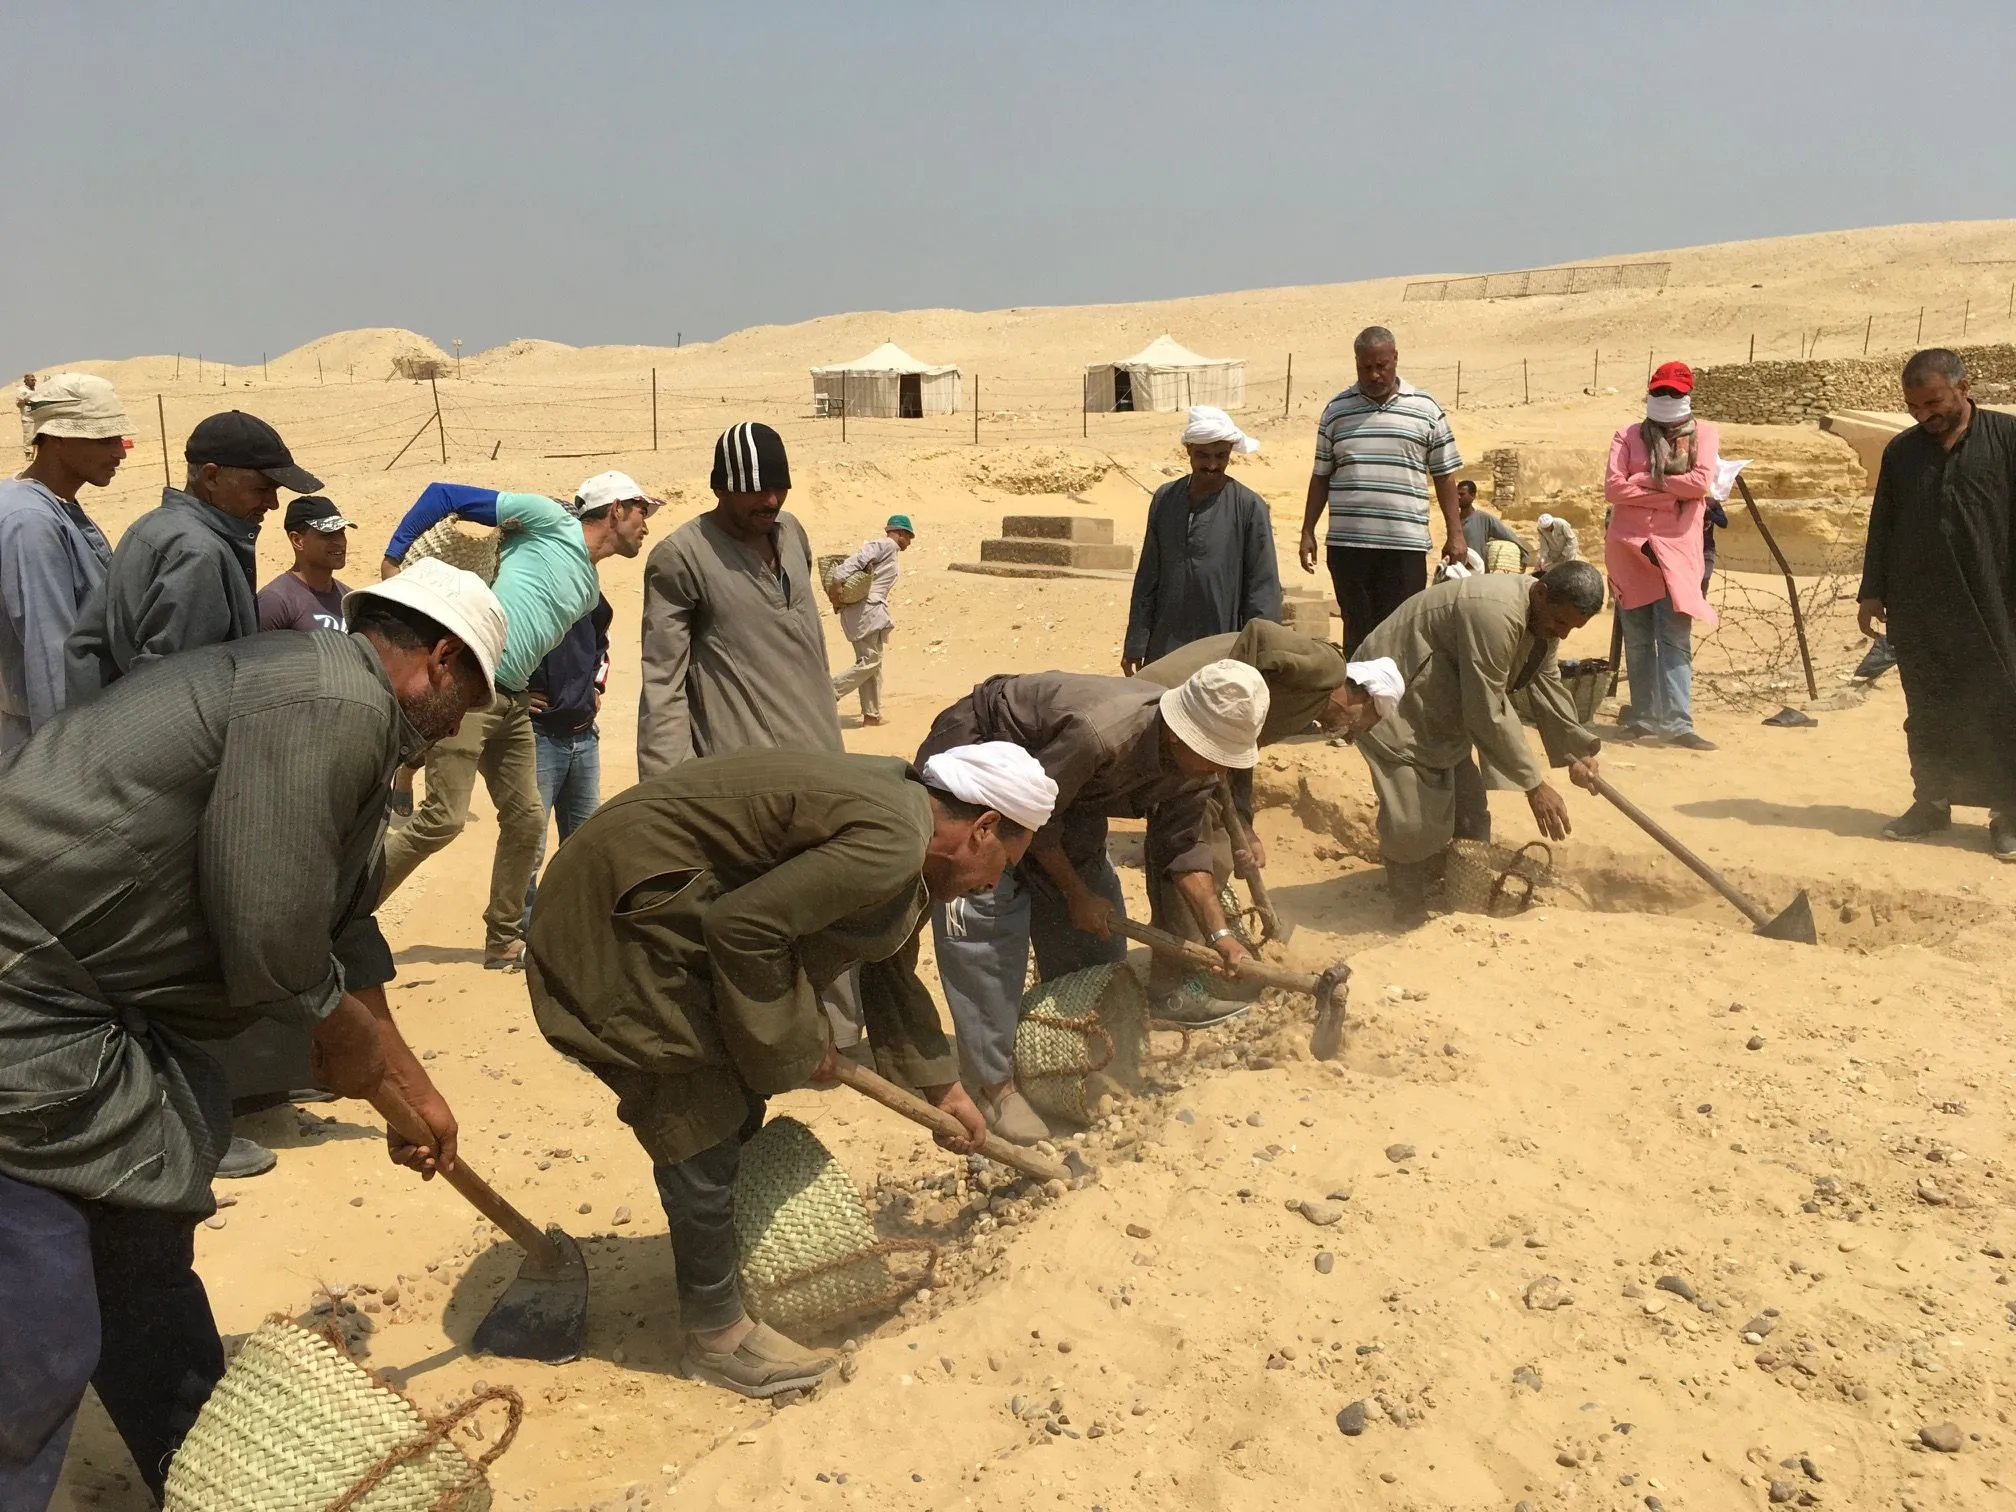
(1924, 817)
(1192, 1005)
(1688, 740)
(1407, 882)
(765, 1364)
(1010, 1116)
(2002, 836)
(245, 1157)
(510, 958)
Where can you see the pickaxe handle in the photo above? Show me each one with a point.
(1244, 866)
(897, 1100)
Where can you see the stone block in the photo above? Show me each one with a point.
(1088, 528)
(1307, 616)
(1055, 553)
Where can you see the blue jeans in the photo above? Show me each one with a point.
(570, 789)
(1659, 653)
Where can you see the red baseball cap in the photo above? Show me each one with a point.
(1672, 375)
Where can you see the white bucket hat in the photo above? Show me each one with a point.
(1218, 713)
(459, 602)
(79, 405)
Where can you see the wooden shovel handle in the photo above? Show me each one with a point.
(914, 1108)
(404, 1122)
(1259, 972)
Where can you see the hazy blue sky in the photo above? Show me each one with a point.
(243, 177)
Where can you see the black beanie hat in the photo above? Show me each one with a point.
(749, 458)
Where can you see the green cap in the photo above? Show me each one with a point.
(900, 522)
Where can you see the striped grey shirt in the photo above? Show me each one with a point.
(1379, 458)
(178, 855)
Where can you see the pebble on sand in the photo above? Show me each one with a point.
(621, 1216)
(1546, 1294)
(1322, 1214)
(1944, 1437)
(215, 1221)
(1679, 1286)
(1351, 1421)
(1325, 1262)
(1399, 1152)
(586, 1207)
(1138, 1231)
(1526, 1376)
(1755, 1042)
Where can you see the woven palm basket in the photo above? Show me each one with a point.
(810, 1256)
(295, 1426)
(458, 547)
(1090, 1021)
(1502, 556)
(1484, 878)
(855, 589)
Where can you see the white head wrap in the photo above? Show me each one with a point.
(1472, 565)
(1208, 423)
(1668, 409)
(1381, 678)
(995, 775)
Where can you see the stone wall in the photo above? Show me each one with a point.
(1794, 393)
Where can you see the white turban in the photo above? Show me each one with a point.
(1381, 678)
(1208, 423)
(995, 775)
(1557, 542)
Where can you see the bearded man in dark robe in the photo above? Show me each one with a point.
(1940, 570)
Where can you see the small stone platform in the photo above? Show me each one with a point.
(1053, 546)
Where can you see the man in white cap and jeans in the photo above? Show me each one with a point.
(547, 582)
(1207, 561)
(1115, 747)
(52, 555)
(246, 784)
(1311, 688)
(682, 937)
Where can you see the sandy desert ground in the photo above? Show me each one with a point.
(1537, 1120)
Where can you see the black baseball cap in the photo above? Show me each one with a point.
(236, 439)
(313, 512)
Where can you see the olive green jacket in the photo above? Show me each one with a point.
(1300, 673)
(682, 934)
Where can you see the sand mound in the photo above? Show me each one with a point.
(1039, 470)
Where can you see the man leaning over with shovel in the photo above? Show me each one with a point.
(1464, 647)
(1310, 687)
(679, 943)
(179, 856)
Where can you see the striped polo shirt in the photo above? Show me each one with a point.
(1379, 458)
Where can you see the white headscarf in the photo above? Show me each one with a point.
(1381, 678)
(1208, 423)
(1668, 409)
(1557, 542)
(995, 775)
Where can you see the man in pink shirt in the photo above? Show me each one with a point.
(1657, 482)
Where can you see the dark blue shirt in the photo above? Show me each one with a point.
(573, 673)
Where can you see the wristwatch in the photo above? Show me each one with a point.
(1218, 934)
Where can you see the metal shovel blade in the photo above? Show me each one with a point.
(1795, 923)
(543, 1314)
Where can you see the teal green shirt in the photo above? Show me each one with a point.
(545, 582)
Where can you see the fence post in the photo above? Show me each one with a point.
(1966, 315)
(1596, 370)
(1084, 404)
(318, 370)
(440, 432)
(1919, 339)
(1871, 326)
(843, 404)
(1288, 388)
(178, 367)
(654, 409)
(199, 367)
(263, 374)
(1753, 348)
(161, 415)
(1458, 404)
(1525, 381)
(1648, 361)
(976, 409)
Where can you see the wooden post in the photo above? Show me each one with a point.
(1866, 330)
(1085, 404)
(976, 409)
(654, 409)
(496, 449)
(678, 339)
(1596, 370)
(1966, 315)
(199, 367)
(318, 370)
(263, 374)
(1791, 587)
(843, 404)
(1919, 339)
(1525, 381)
(440, 431)
(1458, 403)
(1648, 361)
(161, 416)
(1288, 389)
(409, 445)
(178, 367)
(1753, 348)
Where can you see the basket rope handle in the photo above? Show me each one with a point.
(437, 1431)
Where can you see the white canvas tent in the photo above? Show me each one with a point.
(1166, 375)
(888, 381)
